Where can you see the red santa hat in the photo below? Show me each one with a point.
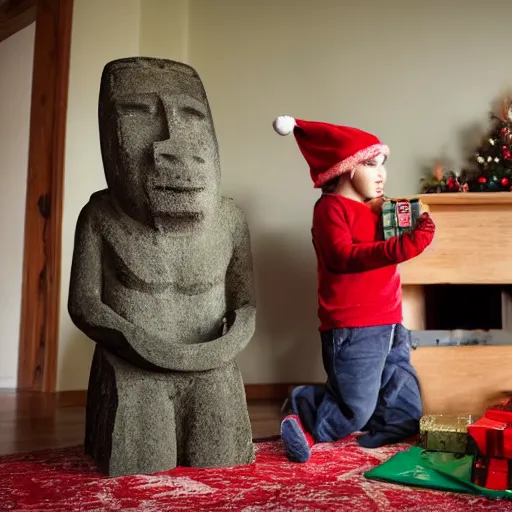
(330, 150)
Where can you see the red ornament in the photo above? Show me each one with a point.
(506, 152)
(504, 130)
(453, 183)
(482, 179)
(504, 181)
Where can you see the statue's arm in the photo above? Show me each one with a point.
(241, 306)
(240, 316)
(85, 306)
(240, 294)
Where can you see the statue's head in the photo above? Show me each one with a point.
(158, 141)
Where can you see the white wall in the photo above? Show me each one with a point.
(418, 74)
(16, 62)
(103, 30)
(164, 29)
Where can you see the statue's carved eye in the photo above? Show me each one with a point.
(133, 108)
(191, 111)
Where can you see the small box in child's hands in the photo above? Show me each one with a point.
(400, 215)
(440, 433)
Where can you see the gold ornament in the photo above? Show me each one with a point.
(438, 172)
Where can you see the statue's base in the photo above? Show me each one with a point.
(142, 422)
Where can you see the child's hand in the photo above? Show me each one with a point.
(425, 223)
(376, 204)
(423, 232)
(414, 242)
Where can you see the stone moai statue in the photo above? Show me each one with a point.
(162, 281)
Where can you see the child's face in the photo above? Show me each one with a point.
(369, 177)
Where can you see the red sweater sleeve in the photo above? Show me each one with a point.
(333, 239)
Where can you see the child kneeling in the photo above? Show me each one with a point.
(371, 385)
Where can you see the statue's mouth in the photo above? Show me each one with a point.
(178, 190)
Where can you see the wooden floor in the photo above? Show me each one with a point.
(35, 421)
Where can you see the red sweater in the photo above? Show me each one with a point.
(358, 280)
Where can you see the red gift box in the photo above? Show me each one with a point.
(501, 412)
(492, 473)
(492, 438)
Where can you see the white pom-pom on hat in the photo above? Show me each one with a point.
(284, 125)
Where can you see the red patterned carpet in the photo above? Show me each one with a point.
(66, 480)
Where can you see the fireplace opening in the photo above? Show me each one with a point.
(467, 307)
(466, 314)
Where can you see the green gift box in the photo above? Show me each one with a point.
(443, 433)
(400, 215)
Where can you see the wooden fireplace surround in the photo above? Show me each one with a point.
(472, 245)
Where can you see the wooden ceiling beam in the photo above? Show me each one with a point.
(15, 15)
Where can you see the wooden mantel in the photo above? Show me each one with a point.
(472, 242)
(471, 198)
(472, 245)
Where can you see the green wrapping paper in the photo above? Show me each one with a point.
(432, 470)
(399, 216)
(442, 433)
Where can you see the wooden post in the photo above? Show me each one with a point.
(43, 219)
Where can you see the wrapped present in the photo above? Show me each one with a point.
(492, 438)
(442, 433)
(400, 215)
(479, 471)
(501, 412)
(492, 473)
(498, 474)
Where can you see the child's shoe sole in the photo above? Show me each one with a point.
(294, 440)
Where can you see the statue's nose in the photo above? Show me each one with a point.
(166, 155)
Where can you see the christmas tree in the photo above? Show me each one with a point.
(492, 169)
(494, 157)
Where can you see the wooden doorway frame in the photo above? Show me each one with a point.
(40, 303)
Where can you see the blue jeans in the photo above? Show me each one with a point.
(371, 387)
